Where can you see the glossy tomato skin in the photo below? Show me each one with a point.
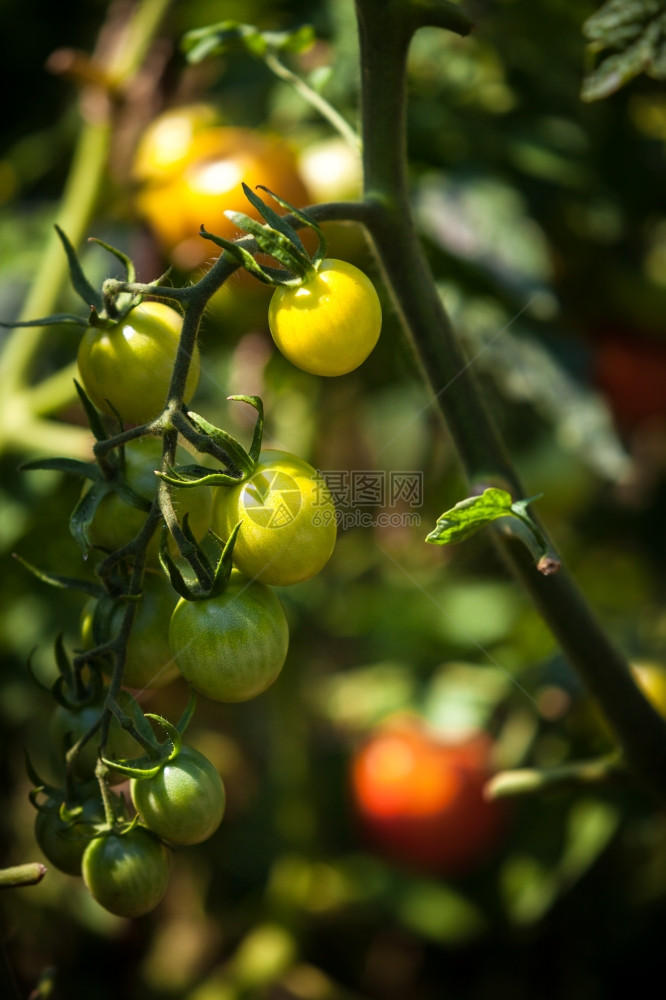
(231, 647)
(288, 521)
(651, 678)
(330, 324)
(184, 802)
(116, 523)
(130, 363)
(208, 181)
(127, 873)
(148, 662)
(420, 801)
(63, 843)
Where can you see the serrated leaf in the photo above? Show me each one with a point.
(632, 36)
(469, 516)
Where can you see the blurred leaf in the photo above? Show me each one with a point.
(632, 36)
(439, 912)
(231, 36)
(361, 697)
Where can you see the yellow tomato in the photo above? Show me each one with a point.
(213, 166)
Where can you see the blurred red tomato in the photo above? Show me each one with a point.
(420, 800)
(631, 372)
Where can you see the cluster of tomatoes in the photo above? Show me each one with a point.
(229, 641)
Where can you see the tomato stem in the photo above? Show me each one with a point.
(385, 32)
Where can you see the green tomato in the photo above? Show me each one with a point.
(232, 646)
(129, 365)
(148, 663)
(63, 842)
(127, 873)
(329, 324)
(116, 523)
(288, 522)
(184, 802)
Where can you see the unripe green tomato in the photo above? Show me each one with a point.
(129, 365)
(127, 873)
(184, 802)
(288, 521)
(63, 843)
(116, 523)
(148, 662)
(329, 324)
(232, 646)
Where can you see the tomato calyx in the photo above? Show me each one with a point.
(275, 236)
(212, 440)
(157, 753)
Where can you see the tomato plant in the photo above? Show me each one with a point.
(329, 324)
(203, 180)
(70, 723)
(128, 364)
(63, 840)
(287, 515)
(184, 802)
(231, 646)
(148, 659)
(116, 523)
(127, 872)
(420, 799)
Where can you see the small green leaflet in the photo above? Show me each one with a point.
(470, 515)
(230, 36)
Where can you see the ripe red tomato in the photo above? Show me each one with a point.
(420, 800)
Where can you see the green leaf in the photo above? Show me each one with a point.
(272, 218)
(62, 582)
(631, 36)
(232, 36)
(274, 243)
(267, 275)
(469, 516)
(225, 442)
(84, 512)
(82, 286)
(257, 437)
(93, 415)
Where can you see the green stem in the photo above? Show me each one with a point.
(385, 34)
(28, 874)
(535, 781)
(315, 100)
(78, 202)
